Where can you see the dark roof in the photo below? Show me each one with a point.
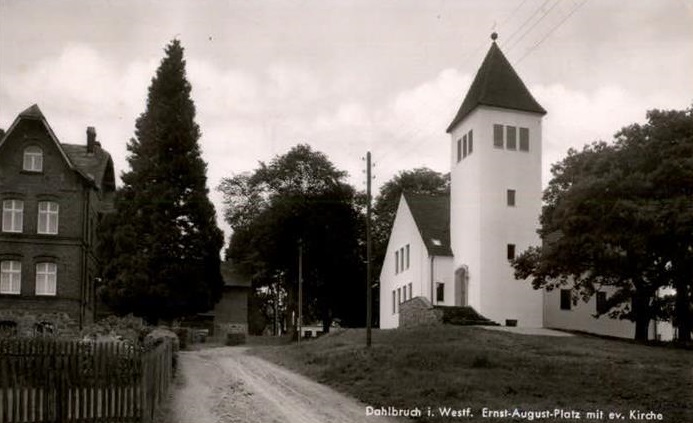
(231, 276)
(432, 216)
(496, 84)
(97, 166)
(32, 111)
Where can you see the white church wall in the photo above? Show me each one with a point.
(580, 317)
(482, 223)
(404, 232)
(465, 204)
(442, 273)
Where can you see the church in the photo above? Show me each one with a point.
(454, 250)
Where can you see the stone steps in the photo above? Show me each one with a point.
(463, 316)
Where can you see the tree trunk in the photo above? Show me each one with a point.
(642, 315)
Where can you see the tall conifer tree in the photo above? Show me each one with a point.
(161, 250)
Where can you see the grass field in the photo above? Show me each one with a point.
(461, 367)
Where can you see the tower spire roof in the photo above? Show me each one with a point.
(496, 84)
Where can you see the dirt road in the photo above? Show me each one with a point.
(226, 385)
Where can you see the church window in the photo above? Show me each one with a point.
(459, 150)
(410, 293)
(401, 259)
(464, 146)
(601, 302)
(440, 292)
(407, 256)
(565, 299)
(524, 139)
(396, 262)
(511, 141)
(470, 142)
(498, 136)
(394, 302)
(511, 251)
(399, 296)
(511, 198)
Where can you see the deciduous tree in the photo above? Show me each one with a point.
(620, 215)
(299, 197)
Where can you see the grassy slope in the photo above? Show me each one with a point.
(465, 366)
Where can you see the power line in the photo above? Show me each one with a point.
(552, 30)
(510, 16)
(541, 18)
(539, 9)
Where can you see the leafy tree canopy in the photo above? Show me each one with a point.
(620, 215)
(160, 248)
(299, 197)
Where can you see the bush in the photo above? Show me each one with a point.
(128, 328)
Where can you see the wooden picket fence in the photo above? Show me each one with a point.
(50, 380)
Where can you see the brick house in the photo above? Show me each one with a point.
(52, 196)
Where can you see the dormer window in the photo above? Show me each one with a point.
(33, 159)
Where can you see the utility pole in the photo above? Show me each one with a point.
(300, 288)
(368, 249)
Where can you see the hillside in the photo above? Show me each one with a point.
(455, 368)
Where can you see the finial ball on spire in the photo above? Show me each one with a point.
(494, 36)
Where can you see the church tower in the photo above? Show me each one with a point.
(495, 198)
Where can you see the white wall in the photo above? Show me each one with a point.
(404, 231)
(581, 318)
(481, 222)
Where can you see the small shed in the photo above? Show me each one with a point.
(231, 312)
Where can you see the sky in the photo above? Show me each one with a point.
(346, 77)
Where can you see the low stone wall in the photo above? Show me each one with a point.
(419, 312)
(32, 324)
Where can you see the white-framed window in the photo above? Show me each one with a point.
(48, 217)
(10, 277)
(12, 215)
(33, 159)
(46, 278)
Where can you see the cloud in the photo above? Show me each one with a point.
(576, 118)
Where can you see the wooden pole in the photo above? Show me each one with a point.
(300, 289)
(368, 249)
